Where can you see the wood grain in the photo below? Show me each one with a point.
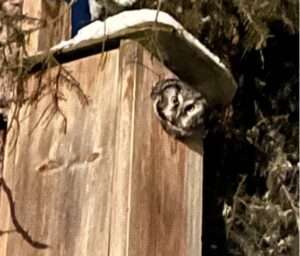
(61, 183)
(115, 184)
(55, 15)
(122, 178)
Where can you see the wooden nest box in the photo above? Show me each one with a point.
(115, 183)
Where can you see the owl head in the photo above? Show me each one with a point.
(178, 106)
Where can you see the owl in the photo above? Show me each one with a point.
(100, 9)
(179, 107)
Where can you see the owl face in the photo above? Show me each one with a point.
(179, 107)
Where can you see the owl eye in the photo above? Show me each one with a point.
(174, 100)
(189, 108)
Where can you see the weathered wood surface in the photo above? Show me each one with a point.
(55, 15)
(115, 184)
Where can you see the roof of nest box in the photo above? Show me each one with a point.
(165, 38)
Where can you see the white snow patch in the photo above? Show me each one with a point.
(128, 19)
(125, 2)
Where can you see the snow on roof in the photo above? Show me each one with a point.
(128, 19)
(183, 54)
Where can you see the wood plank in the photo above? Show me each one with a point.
(32, 9)
(165, 214)
(193, 198)
(57, 18)
(122, 178)
(115, 183)
(61, 183)
(58, 23)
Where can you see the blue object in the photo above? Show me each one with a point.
(80, 15)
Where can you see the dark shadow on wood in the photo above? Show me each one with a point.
(19, 229)
(65, 57)
(194, 142)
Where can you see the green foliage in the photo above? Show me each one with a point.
(252, 38)
(228, 26)
(256, 39)
(256, 17)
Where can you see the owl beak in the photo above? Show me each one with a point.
(179, 110)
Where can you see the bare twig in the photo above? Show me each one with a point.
(291, 201)
(19, 229)
(234, 206)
